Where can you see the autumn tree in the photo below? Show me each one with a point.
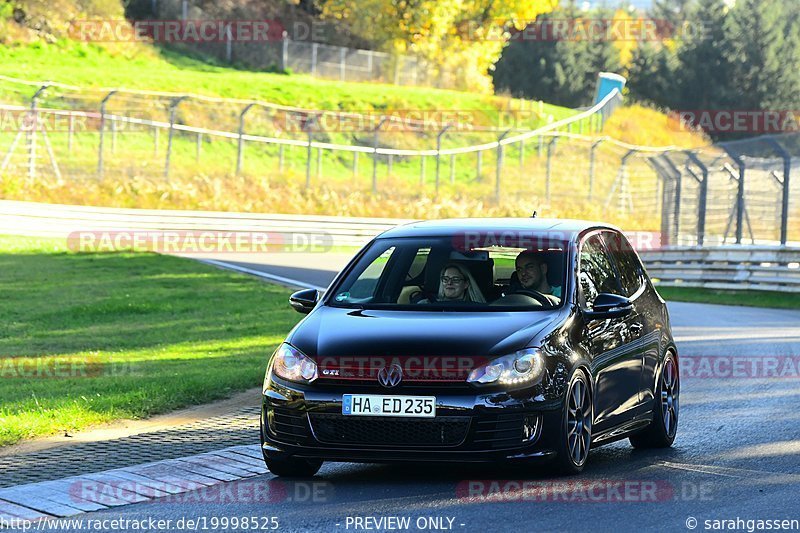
(463, 37)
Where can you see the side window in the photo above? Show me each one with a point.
(596, 272)
(628, 264)
(367, 282)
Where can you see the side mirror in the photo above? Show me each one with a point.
(304, 301)
(608, 305)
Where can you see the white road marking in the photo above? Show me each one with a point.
(272, 277)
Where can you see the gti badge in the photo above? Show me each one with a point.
(390, 376)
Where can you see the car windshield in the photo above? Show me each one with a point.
(447, 273)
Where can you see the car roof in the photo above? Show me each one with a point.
(567, 229)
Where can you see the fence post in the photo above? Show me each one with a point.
(478, 164)
(319, 163)
(70, 131)
(228, 45)
(389, 162)
(549, 167)
(452, 169)
(521, 153)
(677, 208)
(787, 171)
(739, 192)
(240, 144)
(284, 50)
(595, 145)
(172, 108)
(422, 171)
(355, 164)
(307, 126)
(703, 197)
(32, 133)
(375, 133)
(198, 147)
(438, 152)
(103, 103)
(499, 169)
(314, 47)
(342, 64)
(663, 176)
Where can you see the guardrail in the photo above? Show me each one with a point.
(719, 267)
(726, 267)
(54, 220)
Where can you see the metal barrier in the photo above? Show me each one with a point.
(60, 221)
(719, 267)
(726, 267)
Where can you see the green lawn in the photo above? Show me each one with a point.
(143, 67)
(90, 338)
(781, 300)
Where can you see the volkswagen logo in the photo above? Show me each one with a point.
(390, 376)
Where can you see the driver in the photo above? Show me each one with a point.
(532, 273)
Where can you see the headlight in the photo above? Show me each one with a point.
(292, 364)
(520, 368)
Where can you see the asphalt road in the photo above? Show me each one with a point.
(737, 455)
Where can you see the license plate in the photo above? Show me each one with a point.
(378, 405)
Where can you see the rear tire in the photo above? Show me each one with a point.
(293, 466)
(575, 436)
(662, 430)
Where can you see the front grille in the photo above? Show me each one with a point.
(439, 431)
(288, 425)
(432, 369)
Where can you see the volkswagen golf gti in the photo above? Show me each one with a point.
(475, 340)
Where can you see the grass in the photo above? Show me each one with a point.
(91, 338)
(138, 66)
(205, 178)
(774, 299)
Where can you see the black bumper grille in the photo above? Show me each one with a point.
(288, 425)
(439, 431)
(498, 431)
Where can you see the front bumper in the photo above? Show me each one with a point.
(307, 421)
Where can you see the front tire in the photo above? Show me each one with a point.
(662, 430)
(293, 466)
(575, 437)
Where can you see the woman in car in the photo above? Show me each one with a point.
(457, 284)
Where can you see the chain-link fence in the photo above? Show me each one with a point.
(66, 132)
(735, 192)
(744, 192)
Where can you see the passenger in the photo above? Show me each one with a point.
(532, 273)
(457, 284)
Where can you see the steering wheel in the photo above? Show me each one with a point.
(536, 295)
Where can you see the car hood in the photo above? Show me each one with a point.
(333, 332)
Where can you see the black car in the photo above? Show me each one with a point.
(475, 340)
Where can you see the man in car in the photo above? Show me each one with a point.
(532, 273)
